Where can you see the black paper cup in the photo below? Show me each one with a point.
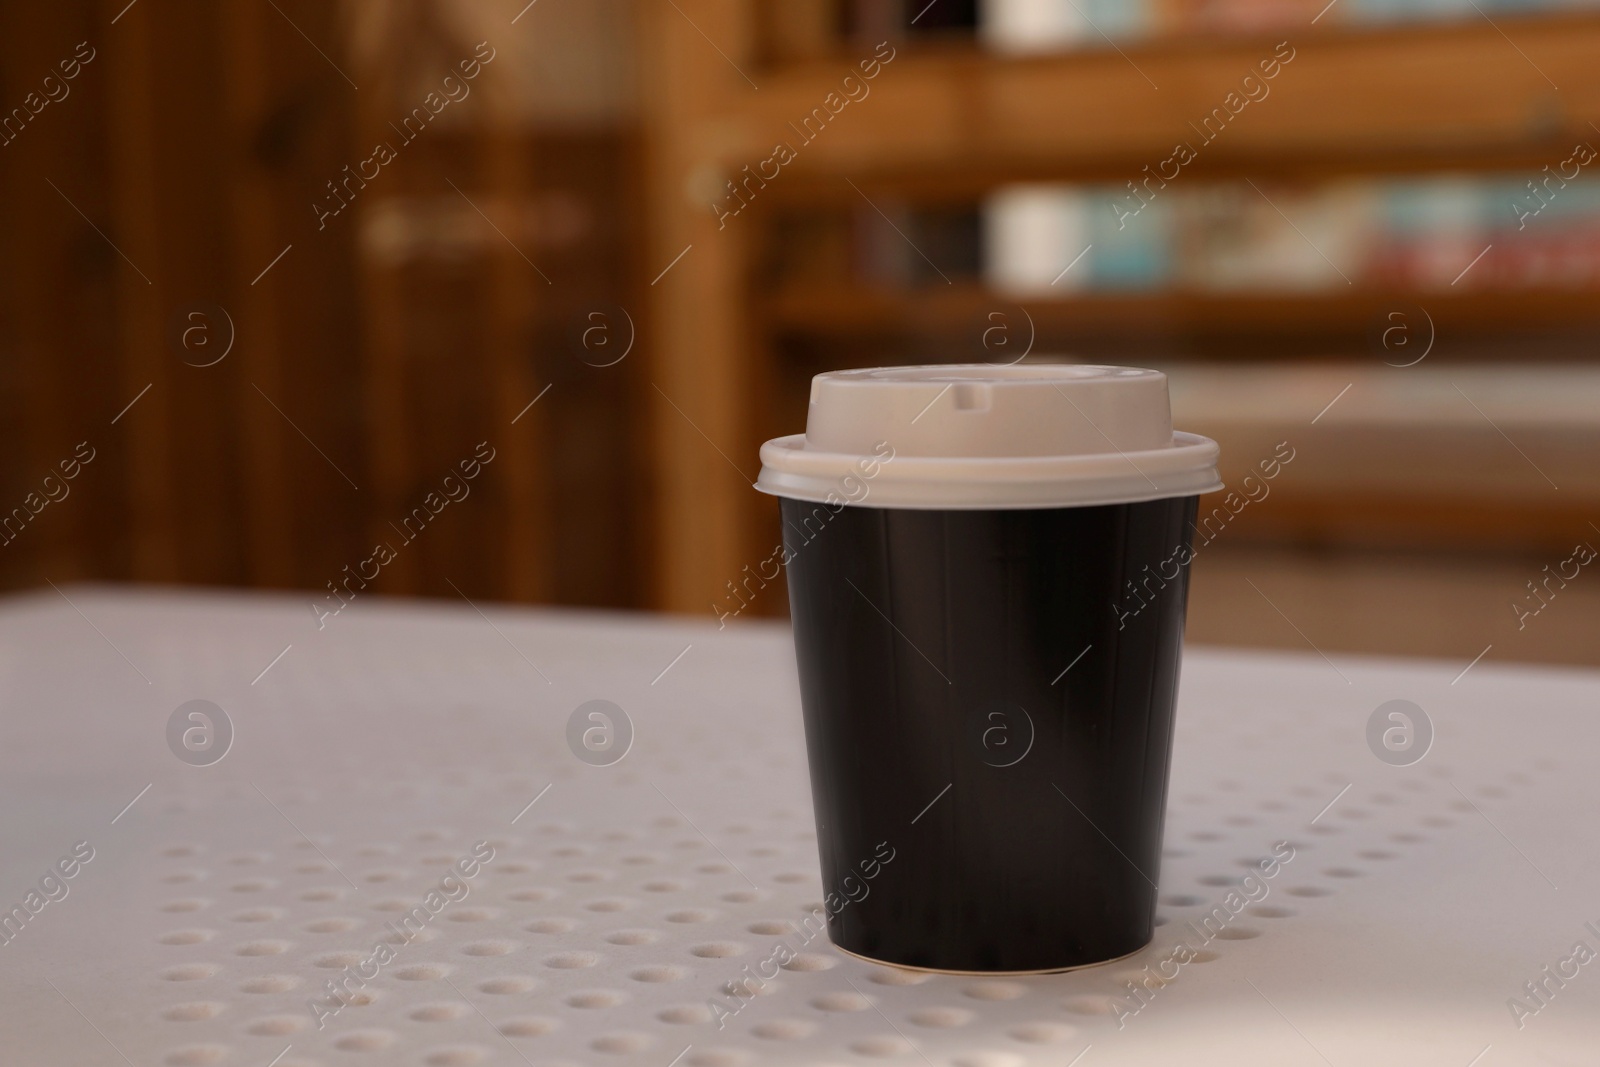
(988, 691)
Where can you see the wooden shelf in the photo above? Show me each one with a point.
(838, 310)
(945, 122)
(1377, 520)
(952, 121)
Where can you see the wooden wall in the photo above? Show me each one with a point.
(176, 176)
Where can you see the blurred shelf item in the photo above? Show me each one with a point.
(1029, 26)
(445, 228)
(1163, 182)
(1431, 234)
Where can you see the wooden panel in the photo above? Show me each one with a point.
(386, 372)
(159, 183)
(799, 29)
(55, 305)
(257, 305)
(142, 292)
(300, 138)
(196, 145)
(527, 542)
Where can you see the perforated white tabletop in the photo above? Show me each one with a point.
(375, 753)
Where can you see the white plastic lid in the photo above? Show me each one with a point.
(974, 435)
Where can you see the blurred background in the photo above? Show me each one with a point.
(516, 290)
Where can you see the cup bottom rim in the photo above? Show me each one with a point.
(991, 974)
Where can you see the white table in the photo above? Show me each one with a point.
(377, 750)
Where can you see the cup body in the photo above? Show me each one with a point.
(988, 700)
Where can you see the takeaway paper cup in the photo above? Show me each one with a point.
(987, 571)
